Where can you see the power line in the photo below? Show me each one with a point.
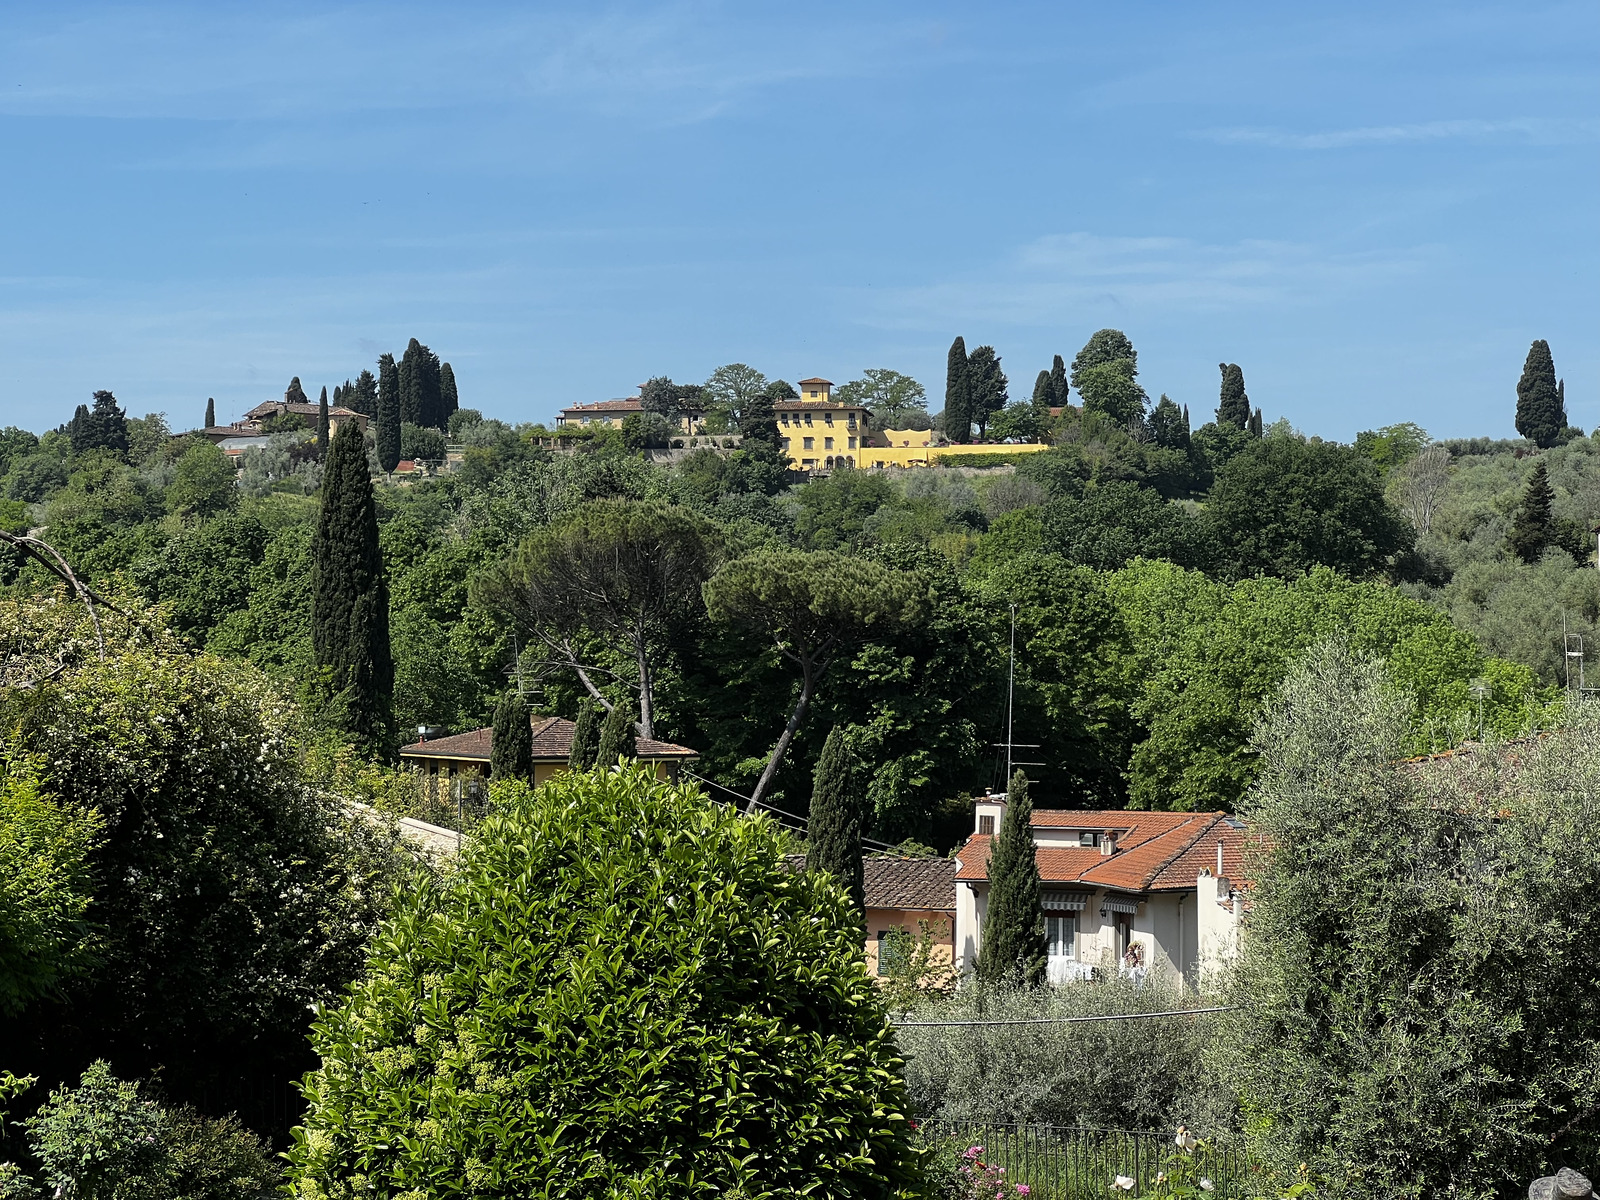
(1175, 1012)
(777, 811)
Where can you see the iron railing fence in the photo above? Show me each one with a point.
(1062, 1162)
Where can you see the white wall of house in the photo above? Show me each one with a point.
(1220, 911)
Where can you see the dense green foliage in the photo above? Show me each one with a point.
(105, 1139)
(511, 743)
(585, 739)
(1410, 1024)
(350, 601)
(618, 736)
(1541, 409)
(1013, 949)
(833, 825)
(621, 991)
(1533, 529)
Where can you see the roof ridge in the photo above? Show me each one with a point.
(1187, 846)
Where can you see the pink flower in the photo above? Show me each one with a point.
(1023, 1189)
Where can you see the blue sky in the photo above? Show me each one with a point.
(1373, 208)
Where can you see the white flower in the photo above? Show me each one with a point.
(1185, 1140)
(1125, 1182)
(1207, 1186)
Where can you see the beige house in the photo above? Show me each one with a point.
(468, 754)
(916, 895)
(1163, 883)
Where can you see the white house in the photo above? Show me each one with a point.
(1165, 882)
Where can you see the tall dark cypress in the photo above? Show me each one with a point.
(350, 600)
(585, 739)
(363, 396)
(1013, 931)
(107, 424)
(1541, 407)
(388, 413)
(1255, 423)
(511, 740)
(448, 401)
(617, 735)
(1534, 526)
(833, 829)
(419, 386)
(957, 401)
(1058, 382)
(1044, 393)
(80, 430)
(1233, 407)
(211, 412)
(322, 423)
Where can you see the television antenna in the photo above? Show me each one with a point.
(1011, 691)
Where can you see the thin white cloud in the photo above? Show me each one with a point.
(1062, 277)
(1533, 129)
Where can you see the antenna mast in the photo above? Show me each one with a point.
(1011, 688)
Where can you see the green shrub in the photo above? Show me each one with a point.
(621, 991)
(106, 1140)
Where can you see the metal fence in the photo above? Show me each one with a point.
(1060, 1162)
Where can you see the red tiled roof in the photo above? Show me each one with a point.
(827, 382)
(300, 410)
(552, 742)
(1154, 850)
(632, 404)
(908, 884)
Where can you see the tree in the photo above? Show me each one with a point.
(1016, 423)
(585, 739)
(813, 606)
(419, 387)
(1393, 445)
(957, 395)
(1405, 1018)
(203, 482)
(621, 568)
(1104, 372)
(891, 398)
(1058, 383)
(421, 443)
(1541, 410)
(211, 412)
(749, 1020)
(1169, 425)
(986, 387)
(46, 886)
(1044, 392)
(1117, 521)
(1014, 948)
(1534, 527)
(1423, 480)
(1233, 407)
(104, 427)
(322, 424)
(617, 736)
(388, 405)
(731, 390)
(833, 829)
(1285, 505)
(511, 740)
(350, 600)
(362, 396)
(294, 393)
(449, 400)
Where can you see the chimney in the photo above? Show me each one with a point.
(1219, 860)
(1108, 844)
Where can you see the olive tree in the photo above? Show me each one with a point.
(813, 606)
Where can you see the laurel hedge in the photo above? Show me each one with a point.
(621, 991)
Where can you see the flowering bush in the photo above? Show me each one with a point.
(982, 1180)
(1188, 1175)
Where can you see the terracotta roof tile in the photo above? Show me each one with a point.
(1152, 849)
(891, 881)
(552, 742)
(631, 404)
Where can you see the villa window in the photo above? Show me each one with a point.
(1061, 935)
(827, 443)
(986, 825)
(1088, 839)
(810, 444)
(852, 445)
(808, 418)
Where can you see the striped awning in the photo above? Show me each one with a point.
(1120, 904)
(1064, 901)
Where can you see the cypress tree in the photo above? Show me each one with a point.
(1533, 528)
(1013, 931)
(80, 430)
(1541, 408)
(363, 396)
(419, 386)
(211, 413)
(833, 831)
(617, 736)
(294, 393)
(388, 417)
(103, 427)
(322, 424)
(511, 741)
(585, 740)
(1044, 392)
(957, 399)
(1233, 408)
(1255, 423)
(987, 387)
(350, 600)
(1058, 382)
(448, 401)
